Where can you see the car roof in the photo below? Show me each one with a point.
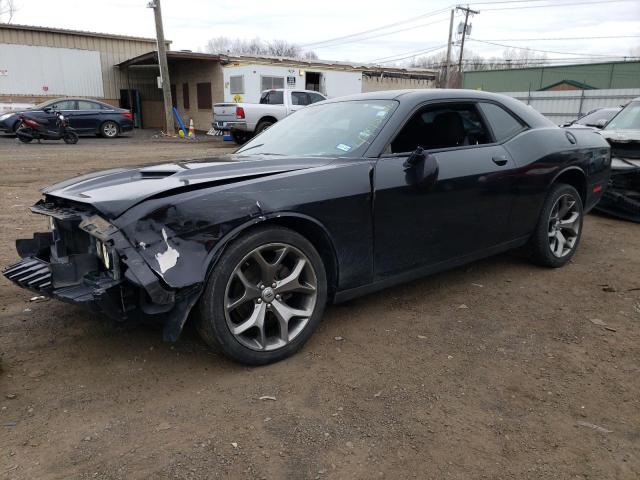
(418, 96)
(62, 99)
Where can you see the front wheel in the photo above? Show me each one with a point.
(70, 138)
(559, 228)
(264, 298)
(23, 138)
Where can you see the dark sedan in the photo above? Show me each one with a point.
(340, 199)
(87, 117)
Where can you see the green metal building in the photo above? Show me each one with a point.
(591, 76)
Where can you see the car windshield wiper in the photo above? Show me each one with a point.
(251, 148)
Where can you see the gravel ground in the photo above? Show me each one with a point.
(498, 370)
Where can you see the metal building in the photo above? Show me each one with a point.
(608, 75)
(37, 63)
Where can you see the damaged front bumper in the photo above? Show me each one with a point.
(86, 260)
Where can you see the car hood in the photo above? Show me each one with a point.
(114, 191)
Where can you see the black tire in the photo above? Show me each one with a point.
(109, 129)
(539, 245)
(211, 321)
(263, 125)
(70, 138)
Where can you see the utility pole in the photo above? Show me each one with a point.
(447, 75)
(466, 11)
(164, 67)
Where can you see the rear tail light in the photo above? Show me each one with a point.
(127, 115)
(240, 113)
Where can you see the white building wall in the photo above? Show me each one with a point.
(48, 71)
(336, 83)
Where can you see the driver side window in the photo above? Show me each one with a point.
(442, 126)
(65, 105)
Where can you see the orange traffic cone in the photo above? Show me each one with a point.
(192, 133)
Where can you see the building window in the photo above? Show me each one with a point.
(204, 96)
(185, 96)
(269, 83)
(174, 99)
(236, 84)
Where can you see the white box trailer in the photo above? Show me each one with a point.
(244, 83)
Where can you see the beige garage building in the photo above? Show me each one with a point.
(38, 63)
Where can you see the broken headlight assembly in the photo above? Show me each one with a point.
(104, 254)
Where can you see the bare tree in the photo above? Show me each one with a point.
(511, 58)
(7, 10)
(276, 48)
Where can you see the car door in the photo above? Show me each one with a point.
(463, 212)
(87, 117)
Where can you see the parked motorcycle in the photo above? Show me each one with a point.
(30, 129)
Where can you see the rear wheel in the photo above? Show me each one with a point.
(264, 298)
(239, 137)
(263, 125)
(559, 228)
(109, 129)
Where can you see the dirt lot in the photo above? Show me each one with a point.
(496, 370)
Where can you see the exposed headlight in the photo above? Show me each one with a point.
(103, 254)
(52, 224)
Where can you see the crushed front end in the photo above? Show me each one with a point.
(86, 260)
(622, 196)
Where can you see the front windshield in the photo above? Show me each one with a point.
(343, 129)
(627, 119)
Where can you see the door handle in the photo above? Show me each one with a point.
(500, 161)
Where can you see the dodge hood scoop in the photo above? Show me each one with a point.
(114, 191)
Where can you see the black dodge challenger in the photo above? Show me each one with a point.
(342, 198)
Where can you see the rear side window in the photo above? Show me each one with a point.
(84, 105)
(272, 98)
(503, 124)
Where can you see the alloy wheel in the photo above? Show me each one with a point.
(270, 296)
(564, 225)
(110, 129)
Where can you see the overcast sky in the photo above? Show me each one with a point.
(190, 23)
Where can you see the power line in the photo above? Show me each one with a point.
(538, 50)
(413, 54)
(555, 5)
(383, 27)
(380, 34)
(555, 38)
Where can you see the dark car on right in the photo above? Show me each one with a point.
(595, 119)
(86, 117)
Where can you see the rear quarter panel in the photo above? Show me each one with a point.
(543, 154)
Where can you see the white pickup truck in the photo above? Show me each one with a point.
(243, 120)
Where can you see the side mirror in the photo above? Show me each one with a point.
(601, 123)
(421, 170)
(46, 109)
(416, 157)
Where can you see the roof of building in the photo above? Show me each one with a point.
(573, 83)
(151, 58)
(83, 33)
